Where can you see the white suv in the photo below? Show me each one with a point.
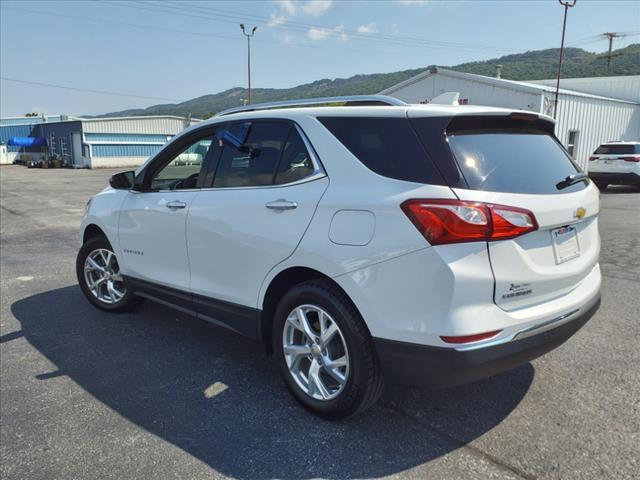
(616, 163)
(424, 244)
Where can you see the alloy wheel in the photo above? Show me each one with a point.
(315, 352)
(102, 276)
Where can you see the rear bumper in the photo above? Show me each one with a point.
(420, 365)
(629, 178)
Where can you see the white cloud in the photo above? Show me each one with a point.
(369, 28)
(315, 8)
(318, 33)
(276, 20)
(291, 39)
(339, 31)
(288, 6)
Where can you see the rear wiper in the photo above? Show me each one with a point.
(571, 180)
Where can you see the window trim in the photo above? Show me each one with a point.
(318, 168)
(168, 153)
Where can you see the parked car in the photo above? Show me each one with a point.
(615, 163)
(421, 244)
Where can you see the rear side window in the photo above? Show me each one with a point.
(617, 149)
(515, 162)
(254, 163)
(295, 163)
(388, 146)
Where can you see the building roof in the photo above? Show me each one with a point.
(525, 87)
(624, 87)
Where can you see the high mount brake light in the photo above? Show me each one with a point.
(456, 221)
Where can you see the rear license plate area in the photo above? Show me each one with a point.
(565, 243)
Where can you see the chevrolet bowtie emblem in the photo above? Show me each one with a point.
(580, 212)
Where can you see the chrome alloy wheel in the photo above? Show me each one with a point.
(102, 275)
(315, 352)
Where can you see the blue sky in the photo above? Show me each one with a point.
(181, 50)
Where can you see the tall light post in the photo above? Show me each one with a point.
(567, 4)
(248, 35)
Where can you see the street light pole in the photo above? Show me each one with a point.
(567, 4)
(248, 35)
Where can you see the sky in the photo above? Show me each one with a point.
(150, 52)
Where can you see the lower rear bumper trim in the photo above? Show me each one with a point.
(437, 367)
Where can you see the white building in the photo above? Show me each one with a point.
(584, 119)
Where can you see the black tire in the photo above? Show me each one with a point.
(125, 303)
(364, 383)
(602, 186)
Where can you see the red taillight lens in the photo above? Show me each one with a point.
(592, 158)
(471, 338)
(635, 158)
(455, 221)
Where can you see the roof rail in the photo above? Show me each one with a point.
(350, 100)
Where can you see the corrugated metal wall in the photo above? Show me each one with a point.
(126, 138)
(597, 121)
(625, 87)
(10, 131)
(160, 125)
(123, 150)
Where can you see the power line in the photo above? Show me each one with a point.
(190, 32)
(101, 92)
(221, 16)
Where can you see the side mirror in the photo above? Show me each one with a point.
(123, 180)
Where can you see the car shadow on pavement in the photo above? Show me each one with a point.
(218, 397)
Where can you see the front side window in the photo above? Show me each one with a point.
(182, 170)
(254, 163)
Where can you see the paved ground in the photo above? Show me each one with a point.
(90, 395)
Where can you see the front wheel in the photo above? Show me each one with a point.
(99, 276)
(325, 352)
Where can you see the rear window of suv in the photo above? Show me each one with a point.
(388, 146)
(617, 149)
(513, 162)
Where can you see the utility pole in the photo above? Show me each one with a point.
(609, 55)
(248, 35)
(567, 4)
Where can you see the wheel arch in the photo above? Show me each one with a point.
(279, 285)
(92, 230)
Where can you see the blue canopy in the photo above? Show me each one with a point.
(27, 142)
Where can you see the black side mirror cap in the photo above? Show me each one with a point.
(123, 180)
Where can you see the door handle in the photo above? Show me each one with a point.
(281, 204)
(176, 204)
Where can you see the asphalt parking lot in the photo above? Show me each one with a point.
(155, 394)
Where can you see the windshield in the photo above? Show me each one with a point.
(513, 162)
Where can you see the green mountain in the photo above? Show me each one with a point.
(532, 65)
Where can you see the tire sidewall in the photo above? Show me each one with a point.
(88, 247)
(351, 396)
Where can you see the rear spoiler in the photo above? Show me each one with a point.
(515, 122)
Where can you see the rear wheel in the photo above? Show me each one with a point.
(602, 186)
(99, 276)
(325, 352)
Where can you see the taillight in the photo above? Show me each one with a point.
(455, 221)
(592, 158)
(634, 158)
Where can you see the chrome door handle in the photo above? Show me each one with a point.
(176, 204)
(281, 204)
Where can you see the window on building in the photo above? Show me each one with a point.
(572, 143)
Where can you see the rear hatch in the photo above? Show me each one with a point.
(615, 158)
(516, 161)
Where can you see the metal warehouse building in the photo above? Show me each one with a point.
(89, 143)
(584, 119)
